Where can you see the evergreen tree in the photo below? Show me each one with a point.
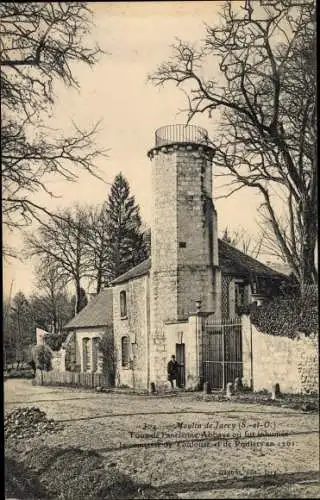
(83, 301)
(126, 243)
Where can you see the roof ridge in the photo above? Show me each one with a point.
(147, 260)
(238, 250)
(95, 313)
(254, 259)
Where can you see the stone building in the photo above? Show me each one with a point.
(156, 305)
(85, 330)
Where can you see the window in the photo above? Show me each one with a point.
(182, 244)
(123, 304)
(86, 362)
(95, 353)
(240, 294)
(125, 351)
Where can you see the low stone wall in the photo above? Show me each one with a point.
(293, 363)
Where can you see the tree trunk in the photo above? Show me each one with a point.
(308, 270)
(309, 273)
(99, 280)
(78, 297)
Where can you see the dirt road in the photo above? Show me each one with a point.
(194, 448)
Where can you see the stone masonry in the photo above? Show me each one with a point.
(292, 363)
(183, 241)
(135, 326)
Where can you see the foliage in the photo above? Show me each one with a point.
(25, 374)
(126, 243)
(255, 75)
(61, 244)
(51, 314)
(18, 328)
(42, 357)
(51, 305)
(106, 346)
(55, 340)
(70, 347)
(83, 300)
(147, 241)
(40, 44)
(288, 315)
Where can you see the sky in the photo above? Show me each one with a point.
(136, 38)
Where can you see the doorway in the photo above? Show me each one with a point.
(180, 357)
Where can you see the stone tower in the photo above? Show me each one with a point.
(184, 246)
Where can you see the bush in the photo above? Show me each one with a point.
(42, 357)
(106, 346)
(55, 341)
(27, 374)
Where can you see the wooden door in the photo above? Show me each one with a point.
(180, 357)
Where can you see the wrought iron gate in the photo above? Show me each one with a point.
(222, 352)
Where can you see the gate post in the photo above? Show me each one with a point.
(198, 337)
(194, 356)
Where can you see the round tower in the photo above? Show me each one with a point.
(184, 249)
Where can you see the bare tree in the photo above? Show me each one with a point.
(51, 305)
(98, 245)
(62, 242)
(40, 43)
(240, 239)
(266, 107)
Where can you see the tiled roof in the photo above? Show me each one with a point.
(98, 312)
(233, 261)
(134, 272)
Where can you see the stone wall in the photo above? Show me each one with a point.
(135, 326)
(293, 363)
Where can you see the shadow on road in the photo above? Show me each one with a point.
(20, 482)
(72, 473)
(69, 473)
(247, 482)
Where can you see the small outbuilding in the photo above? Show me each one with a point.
(86, 330)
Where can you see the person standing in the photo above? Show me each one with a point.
(173, 371)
